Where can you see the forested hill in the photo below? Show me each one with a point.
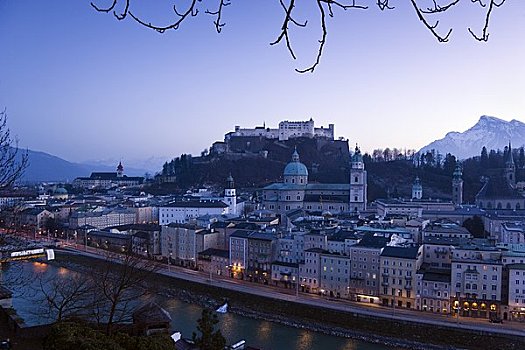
(254, 162)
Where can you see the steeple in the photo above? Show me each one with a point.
(295, 155)
(510, 157)
(457, 185)
(229, 181)
(357, 159)
(510, 168)
(120, 169)
(358, 182)
(230, 197)
(417, 189)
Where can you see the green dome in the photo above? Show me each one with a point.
(60, 190)
(295, 167)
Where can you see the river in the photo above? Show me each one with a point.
(257, 333)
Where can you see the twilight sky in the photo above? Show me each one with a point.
(82, 85)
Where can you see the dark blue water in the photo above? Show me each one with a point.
(257, 333)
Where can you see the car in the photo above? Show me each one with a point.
(495, 320)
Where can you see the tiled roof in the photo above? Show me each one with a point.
(401, 252)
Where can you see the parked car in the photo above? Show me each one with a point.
(495, 320)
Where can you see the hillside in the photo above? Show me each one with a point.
(327, 161)
(251, 166)
(47, 167)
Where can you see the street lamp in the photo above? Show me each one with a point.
(169, 265)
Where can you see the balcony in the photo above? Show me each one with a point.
(385, 274)
(408, 286)
(385, 283)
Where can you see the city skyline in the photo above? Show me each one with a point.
(81, 85)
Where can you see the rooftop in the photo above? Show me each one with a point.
(401, 252)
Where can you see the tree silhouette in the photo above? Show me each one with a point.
(12, 163)
(428, 16)
(209, 339)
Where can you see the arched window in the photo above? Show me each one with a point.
(499, 205)
(518, 206)
(508, 205)
(489, 205)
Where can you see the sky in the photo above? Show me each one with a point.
(84, 86)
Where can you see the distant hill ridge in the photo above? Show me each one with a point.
(46, 167)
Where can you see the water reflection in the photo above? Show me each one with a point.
(39, 267)
(304, 341)
(264, 332)
(257, 333)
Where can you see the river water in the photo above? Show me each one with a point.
(257, 333)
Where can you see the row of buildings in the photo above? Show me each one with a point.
(448, 272)
(318, 238)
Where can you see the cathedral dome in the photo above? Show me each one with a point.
(295, 167)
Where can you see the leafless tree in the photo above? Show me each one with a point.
(427, 11)
(118, 283)
(12, 162)
(64, 297)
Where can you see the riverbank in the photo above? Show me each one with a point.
(395, 333)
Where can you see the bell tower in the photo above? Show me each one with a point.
(457, 185)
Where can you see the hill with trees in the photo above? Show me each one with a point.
(255, 162)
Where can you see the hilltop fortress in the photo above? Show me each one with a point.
(287, 130)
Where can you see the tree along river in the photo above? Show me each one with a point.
(257, 333)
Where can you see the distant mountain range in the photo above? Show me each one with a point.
(47, 167)
(491, 132)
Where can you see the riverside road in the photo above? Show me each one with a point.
(480, 325)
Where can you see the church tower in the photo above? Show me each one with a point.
(358, 182)
(417, 189)
(120, 169)
(510, 168)
(457, 185)
(230, 197)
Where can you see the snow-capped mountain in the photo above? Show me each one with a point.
(491, 132)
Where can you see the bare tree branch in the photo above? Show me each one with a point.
(431, 28)
(438, 8)
(324, 7)
(100, 9)
(218, 13)
(12, 163)
(284, 28)
(384, 5)
(485, 34)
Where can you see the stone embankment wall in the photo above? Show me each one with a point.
(402, 334)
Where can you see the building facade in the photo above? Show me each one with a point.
(296, 193)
